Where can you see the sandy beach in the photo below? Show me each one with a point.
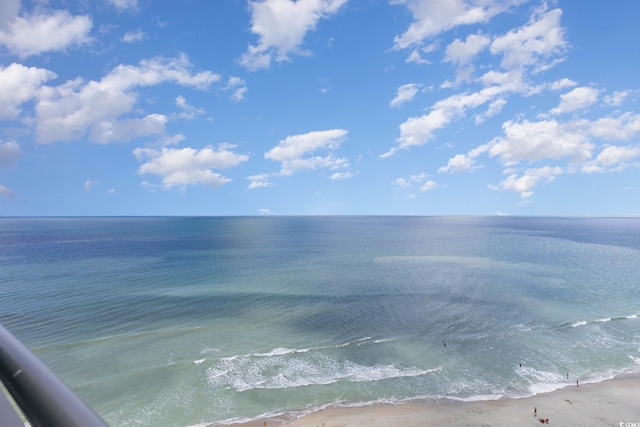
(614, 402)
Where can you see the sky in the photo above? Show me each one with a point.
(319, 107)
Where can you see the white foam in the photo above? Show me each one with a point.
(478, 398)
(580, 323)
(286, 368)
(606, 319)
(199, 361)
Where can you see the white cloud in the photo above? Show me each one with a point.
(32, 34)
(494, 108)
(341, 175)
(6, 192)
(259, 181)
(462, 52)
(428, 185)
(89, 183)
(617, 98)
(432, 17)
(401, 182)
(533, 44)
(421, 179)
(574, 140)
(613, 158)
(612, 155)
(458, 163)
(281, 26)
(291, 151)
(74, 109)
(562, 84)
(124, 4)
(181, 167)
(134, 36)
(621, 128)
(405, 94)
(188, 112)
(238, 88)
(547, 139)
(525, 183)
(9, 152)
(419, 130)
(19, 84)
(416, 54)
(577, 99)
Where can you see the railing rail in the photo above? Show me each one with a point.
(44, 399)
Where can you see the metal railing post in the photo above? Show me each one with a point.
(44, 399)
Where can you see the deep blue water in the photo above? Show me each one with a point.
(181, 321)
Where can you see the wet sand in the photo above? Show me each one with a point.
(609, 403)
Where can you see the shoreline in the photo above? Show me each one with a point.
(612, 402)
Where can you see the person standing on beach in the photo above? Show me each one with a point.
(577, 384)
(535, 411)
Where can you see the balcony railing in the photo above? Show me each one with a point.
(45, 401)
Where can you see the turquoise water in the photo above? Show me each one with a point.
(185, 321)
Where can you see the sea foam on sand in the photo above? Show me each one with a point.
(614, 402)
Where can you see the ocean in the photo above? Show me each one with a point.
(185, 321)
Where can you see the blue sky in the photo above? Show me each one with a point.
(314, 107)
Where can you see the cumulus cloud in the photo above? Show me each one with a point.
(294, 152)
(524, 184)
(614, 158)
(419, 130)
(134, 36)
(341, 175)
(577, 99)
(6, 192)
(617, 98)
(237, 87)
(76, 108)
(574, 141)
(259, 181)
(401, 182)
(19, 84)
(432, 17)
(428, 185)
(9, 152)
(534, 44)
(421, 179)
(546, 139)
(189, 112)
(458, 163)
(417, 54)
(494, 108)
(31, 34)
(562, 84)
(89, 183)
(614, 155)
(462, 52)
(405, 94)
(182, 167)
(124, 4)
(281, 26)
